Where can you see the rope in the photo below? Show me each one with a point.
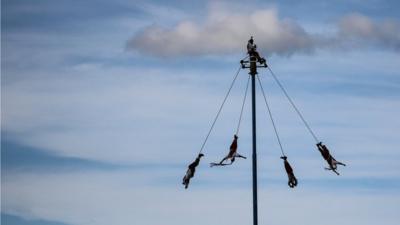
(247, 56)
(294, 106)
(241, 111)
(270, 116)
(219, 111)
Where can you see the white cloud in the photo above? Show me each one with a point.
(226, 32)
(223, 33)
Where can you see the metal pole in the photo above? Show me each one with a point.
(253, 72)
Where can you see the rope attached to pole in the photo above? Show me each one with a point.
(292, 103)
(271, 117)
(219, 111)
(241, 111)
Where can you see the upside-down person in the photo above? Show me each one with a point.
(292, 179)
(190, 171)
(231, 155)
(332, 162)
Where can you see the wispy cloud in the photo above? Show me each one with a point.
(104, 198)
(363, 31)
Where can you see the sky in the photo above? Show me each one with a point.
(105, 103)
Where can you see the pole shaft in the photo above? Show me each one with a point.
(253, 72)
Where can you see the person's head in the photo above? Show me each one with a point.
(283, 157)
(235, 136)
(201, 155)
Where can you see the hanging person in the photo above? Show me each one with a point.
(332, 162)
(252, 50)
(292, 179)
(231, 155)
(190, 171)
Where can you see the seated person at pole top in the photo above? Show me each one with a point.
(252, 50)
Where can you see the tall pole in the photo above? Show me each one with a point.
(252, 65)
(253, 72)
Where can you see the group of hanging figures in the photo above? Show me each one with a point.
(233, 154)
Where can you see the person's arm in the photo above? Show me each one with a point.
(248, 47)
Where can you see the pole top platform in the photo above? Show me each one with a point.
(255, 60)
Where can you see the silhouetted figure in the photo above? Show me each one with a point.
(332, 162)
(231, 155)
(292, 179)
(191, 170)
(252, 50)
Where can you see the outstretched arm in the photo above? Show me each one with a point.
(333, 170)
(337, 162)
(240, 156)
(220, 164)
(225, 158)
(340, 163)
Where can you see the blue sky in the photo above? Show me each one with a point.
(105, 103)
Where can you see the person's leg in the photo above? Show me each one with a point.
(259, 58)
